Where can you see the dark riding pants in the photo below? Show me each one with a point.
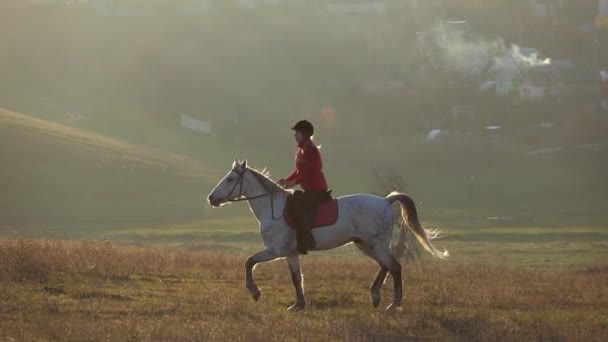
(305, 203)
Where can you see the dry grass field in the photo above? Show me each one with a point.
(82, 291)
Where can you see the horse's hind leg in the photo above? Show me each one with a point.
(377, 284)
(296, 276)
(395, 270)
(383, 255)
(379, 281)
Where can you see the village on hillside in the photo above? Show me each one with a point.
(543, 81)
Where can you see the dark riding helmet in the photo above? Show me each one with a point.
(305, 127)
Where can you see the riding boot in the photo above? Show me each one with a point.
(303, 234)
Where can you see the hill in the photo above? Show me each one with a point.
(56, 175)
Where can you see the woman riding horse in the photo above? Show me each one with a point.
(309, 175)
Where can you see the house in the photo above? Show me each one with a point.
(197, 125)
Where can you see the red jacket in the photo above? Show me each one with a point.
(309, 167)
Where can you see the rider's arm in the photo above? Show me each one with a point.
(293, 177)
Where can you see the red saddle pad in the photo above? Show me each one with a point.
(326, 213)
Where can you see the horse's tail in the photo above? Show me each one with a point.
(409, 214)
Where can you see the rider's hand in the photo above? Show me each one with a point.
(286, 184)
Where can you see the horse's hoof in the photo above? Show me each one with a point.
(375, 301)
(296, 307)
(394, 306)
(255, 293)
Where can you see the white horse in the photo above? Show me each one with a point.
(365, 220)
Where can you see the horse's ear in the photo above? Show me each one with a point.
(236, 162)
(244, 163)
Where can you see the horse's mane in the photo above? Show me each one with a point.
(263, 172)
(263, 176)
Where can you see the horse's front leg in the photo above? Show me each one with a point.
(263, 256)
(296, 277)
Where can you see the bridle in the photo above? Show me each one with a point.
(240, 197)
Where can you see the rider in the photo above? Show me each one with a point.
(309, 176)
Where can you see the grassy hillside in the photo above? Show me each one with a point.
(562, 188)
(58, 176)
(53, 175)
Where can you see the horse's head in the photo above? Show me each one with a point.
(231, 186)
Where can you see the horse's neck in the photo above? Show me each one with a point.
(264, 207)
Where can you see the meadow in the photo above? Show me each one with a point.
(530, 247)
(84, 290)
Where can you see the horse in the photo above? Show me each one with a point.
(364, 220)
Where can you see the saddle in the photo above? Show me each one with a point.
(324, 214)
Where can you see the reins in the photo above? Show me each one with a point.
(241, 198)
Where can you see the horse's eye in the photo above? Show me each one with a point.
(229, 179)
